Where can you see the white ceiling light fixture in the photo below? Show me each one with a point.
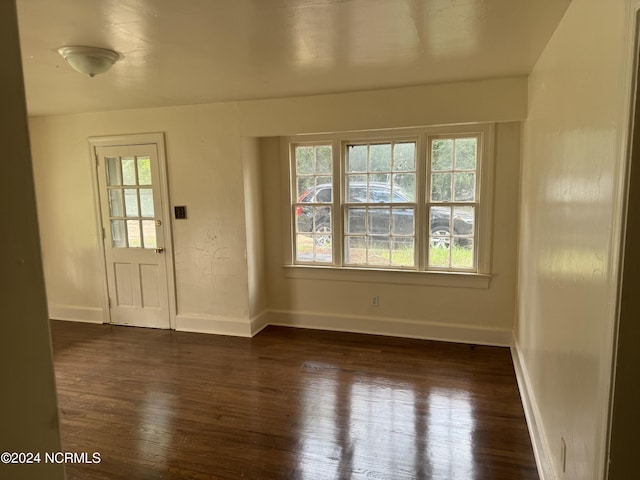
(90, 61)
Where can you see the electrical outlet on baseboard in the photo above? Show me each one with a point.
(375, 301)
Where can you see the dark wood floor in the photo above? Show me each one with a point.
(287, 404)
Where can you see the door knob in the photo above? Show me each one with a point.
(159, 250)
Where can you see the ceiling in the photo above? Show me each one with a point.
(201, 51)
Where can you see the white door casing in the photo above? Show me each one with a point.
(135, 228)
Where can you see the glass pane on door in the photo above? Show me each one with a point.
(128, 171)
(131, 202)
(114, 174)
(146, 202)
(149, 233)
(131, 207)
(133, 233)
(116, 207)
(118, 236)
(144, 171)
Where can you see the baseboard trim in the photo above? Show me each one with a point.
(242, 327)
(237, 327)
(532, 415)
(72, 313)
(259, 323)
(392, 327)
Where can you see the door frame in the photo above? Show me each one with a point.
(622, 356)
(156, 139)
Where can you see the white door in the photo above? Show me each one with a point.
(134, 235)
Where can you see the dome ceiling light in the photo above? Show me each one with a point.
(90, 61)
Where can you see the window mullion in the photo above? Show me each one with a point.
(422, 184)
(293, 199)
(338, 195)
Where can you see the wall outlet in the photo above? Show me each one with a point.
(563, 455)
(375, 301)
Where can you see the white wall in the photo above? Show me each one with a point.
(572, 171)
(205, 173)
(28, 407)
(252, 170)
(213, 168)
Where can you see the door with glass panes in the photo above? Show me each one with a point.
(131, 206)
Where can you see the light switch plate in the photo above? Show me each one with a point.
(180, 212)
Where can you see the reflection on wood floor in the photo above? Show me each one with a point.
(287, 404)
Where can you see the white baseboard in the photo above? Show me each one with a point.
(392, 327)
(238, 327)
(532, 414)
(72, 313)
(243, 327)
(259, 323)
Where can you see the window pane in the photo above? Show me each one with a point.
(131, 202)
(304, 219)
(404, 157)
(379, 252)
(116, 206)
(149, 233)
(323, 190)
(440, 226)
(114, 175)
(356, 250)
(314, 239)
(464, 187)
(304, 160)
(404, 187)
(128, 171)
(357, 158)
(402, 221)
(146, 203)
(321, 219)
(442, 154)
(356, 220)
(133, 233)
(322, 237)
(462, 253)
(379, 220)
(463, 220)
(379, 193)
(441, 187)
(324, 160)
(304, 248)
(403, 252)
(144, 171)
(323, 244)
(356, 188)
(380, 178)
(380, 158)
(324, 254)
(466, 156)
(439, 255)
(305, 184)
(117, 233)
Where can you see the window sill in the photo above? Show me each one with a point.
(399, 277)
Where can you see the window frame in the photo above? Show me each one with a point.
(378, 138)
(479, 276)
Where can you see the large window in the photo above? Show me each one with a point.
(407, 200)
